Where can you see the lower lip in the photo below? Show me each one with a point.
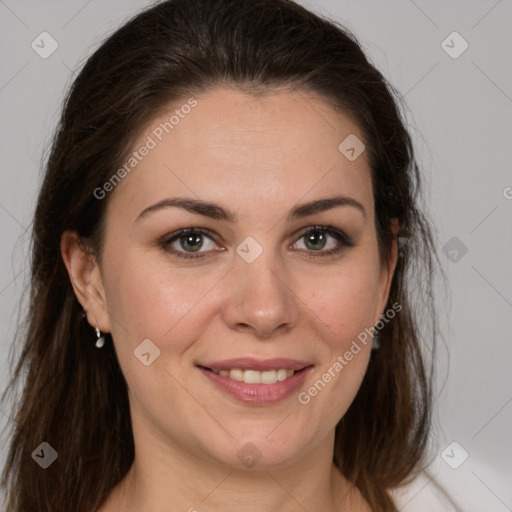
(258, 394)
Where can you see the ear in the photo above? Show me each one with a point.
(85, 277)
(388, 269)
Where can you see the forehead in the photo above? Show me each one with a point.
(235, 147)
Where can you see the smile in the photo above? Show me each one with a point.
(256, 376)
(257, 382)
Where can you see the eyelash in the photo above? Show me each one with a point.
(339, 235)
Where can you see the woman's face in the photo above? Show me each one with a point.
(248, 288)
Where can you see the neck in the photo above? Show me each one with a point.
(164, 477)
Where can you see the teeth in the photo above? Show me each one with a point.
(282, 374)
(236, 374)
(255, 376)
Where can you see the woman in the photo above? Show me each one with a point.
(224, 249)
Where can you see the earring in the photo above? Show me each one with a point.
(376, 340)
(101, 339)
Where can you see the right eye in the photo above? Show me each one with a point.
(186, 242)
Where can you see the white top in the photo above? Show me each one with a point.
(422, 495)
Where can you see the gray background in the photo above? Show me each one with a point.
(459, 113)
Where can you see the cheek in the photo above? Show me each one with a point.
(147, 300)
(345, 300)
(344, 305)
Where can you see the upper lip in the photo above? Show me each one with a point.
(248, 363)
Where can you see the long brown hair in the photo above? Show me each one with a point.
(74, 396)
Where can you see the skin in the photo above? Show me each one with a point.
(259, 157)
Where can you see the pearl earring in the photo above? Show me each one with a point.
(101, 339)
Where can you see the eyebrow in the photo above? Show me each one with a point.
(218, 212)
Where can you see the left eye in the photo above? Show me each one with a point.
(316, 239)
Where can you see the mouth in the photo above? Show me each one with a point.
(257, 382)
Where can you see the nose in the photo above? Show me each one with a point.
(260, 299)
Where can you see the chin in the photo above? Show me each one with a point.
(260, 451)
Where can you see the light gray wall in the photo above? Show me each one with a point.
(460, 112)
